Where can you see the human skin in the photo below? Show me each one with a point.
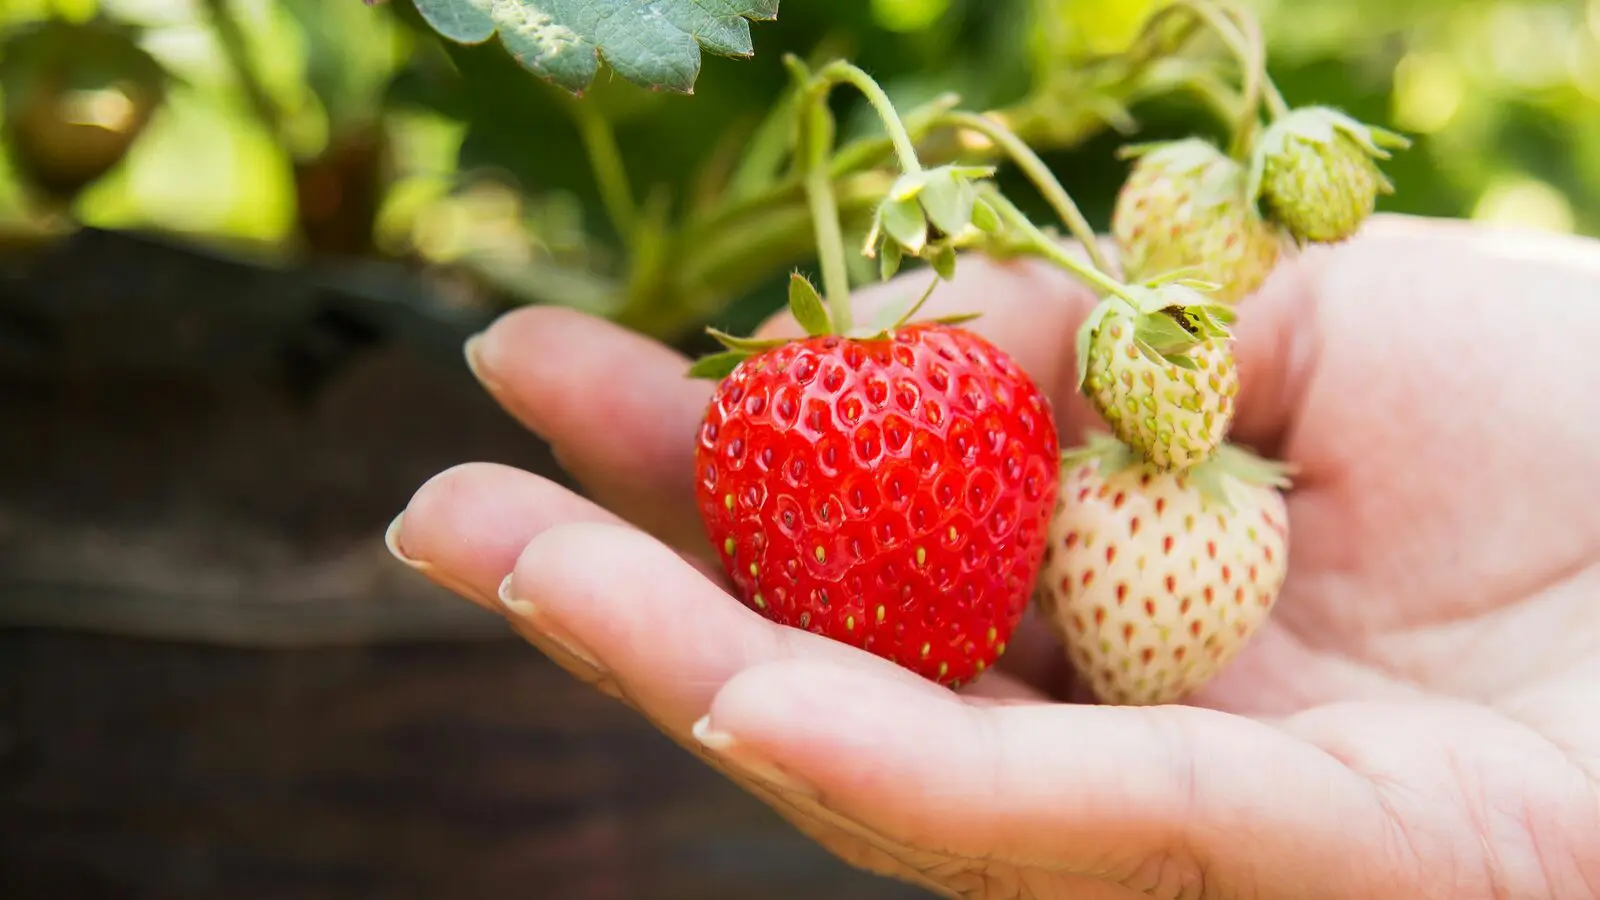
(1419, 718)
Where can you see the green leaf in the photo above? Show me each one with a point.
(949, 202)
(984, 217)
(889, 260)
(717, 366)
(806, 305)
(957, 318)
(744, 345)
(904, 221)
(1164, 333)
(1085, 336)
(651, 43)
(944, 262)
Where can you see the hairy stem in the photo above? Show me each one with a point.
(847, 73)
(814, 149)
(1252, 65)
(1031, 165)
(1040, 243)
(611, 176)
(1250, 28)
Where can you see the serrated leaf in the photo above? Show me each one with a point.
(806, 305)
(651, 43)
(717, 366)
(904, 221)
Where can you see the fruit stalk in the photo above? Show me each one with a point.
(847, 73)
(1039, 174)
(814, 144)
(1041, 243)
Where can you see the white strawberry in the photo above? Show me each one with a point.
(1154, 580)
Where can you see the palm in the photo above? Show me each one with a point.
(1425, 673)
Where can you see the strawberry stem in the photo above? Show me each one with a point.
(1039, 173)
(814, 147)
(1277, 107)
(610, 175)
(1042, 244)
(840, 71)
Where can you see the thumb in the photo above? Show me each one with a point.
(1135, 796)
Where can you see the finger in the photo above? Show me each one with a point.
(667, 635)
(466, 526)
(1132, 794)
(615, 406)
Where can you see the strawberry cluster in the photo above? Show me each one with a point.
(898, 486)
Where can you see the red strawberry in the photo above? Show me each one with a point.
(889, 491)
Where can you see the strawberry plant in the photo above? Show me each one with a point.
(897, 484)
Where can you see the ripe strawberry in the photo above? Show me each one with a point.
(889, 491)
(1184, 209)
(1155, 580)
(1161, 372)
(1314, 172)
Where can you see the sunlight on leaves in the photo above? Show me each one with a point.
(652, 43)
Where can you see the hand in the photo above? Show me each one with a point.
(1420, 717)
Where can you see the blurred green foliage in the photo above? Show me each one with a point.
(328, 128)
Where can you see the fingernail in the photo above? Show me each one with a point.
(473, 351)
(726, 748)
(391, 540)
(550, 630)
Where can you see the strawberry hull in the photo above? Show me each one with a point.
(893, 494)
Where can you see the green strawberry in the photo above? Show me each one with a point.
(1315, 172)
(1184, 210)
(1160, 372)
(1155, 580)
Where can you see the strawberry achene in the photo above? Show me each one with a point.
(889, 493)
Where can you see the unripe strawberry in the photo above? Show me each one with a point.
(1315, 173)
(1184, 209)
(1161, 373)
(1155, 580)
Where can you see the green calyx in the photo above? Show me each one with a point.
(930, 214)
(1169, 320)
(1216, 178)
(1217, 478)
(1315, 170)
(926, 213)
(809, 310)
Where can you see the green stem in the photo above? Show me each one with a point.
(610, 175)
(236, 50)
(1222, 100)
(1252, 63)
(1041, 243)
(1042, 178)
(1247, 24)
(814, 148)
(841, 71)
(921, 301)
